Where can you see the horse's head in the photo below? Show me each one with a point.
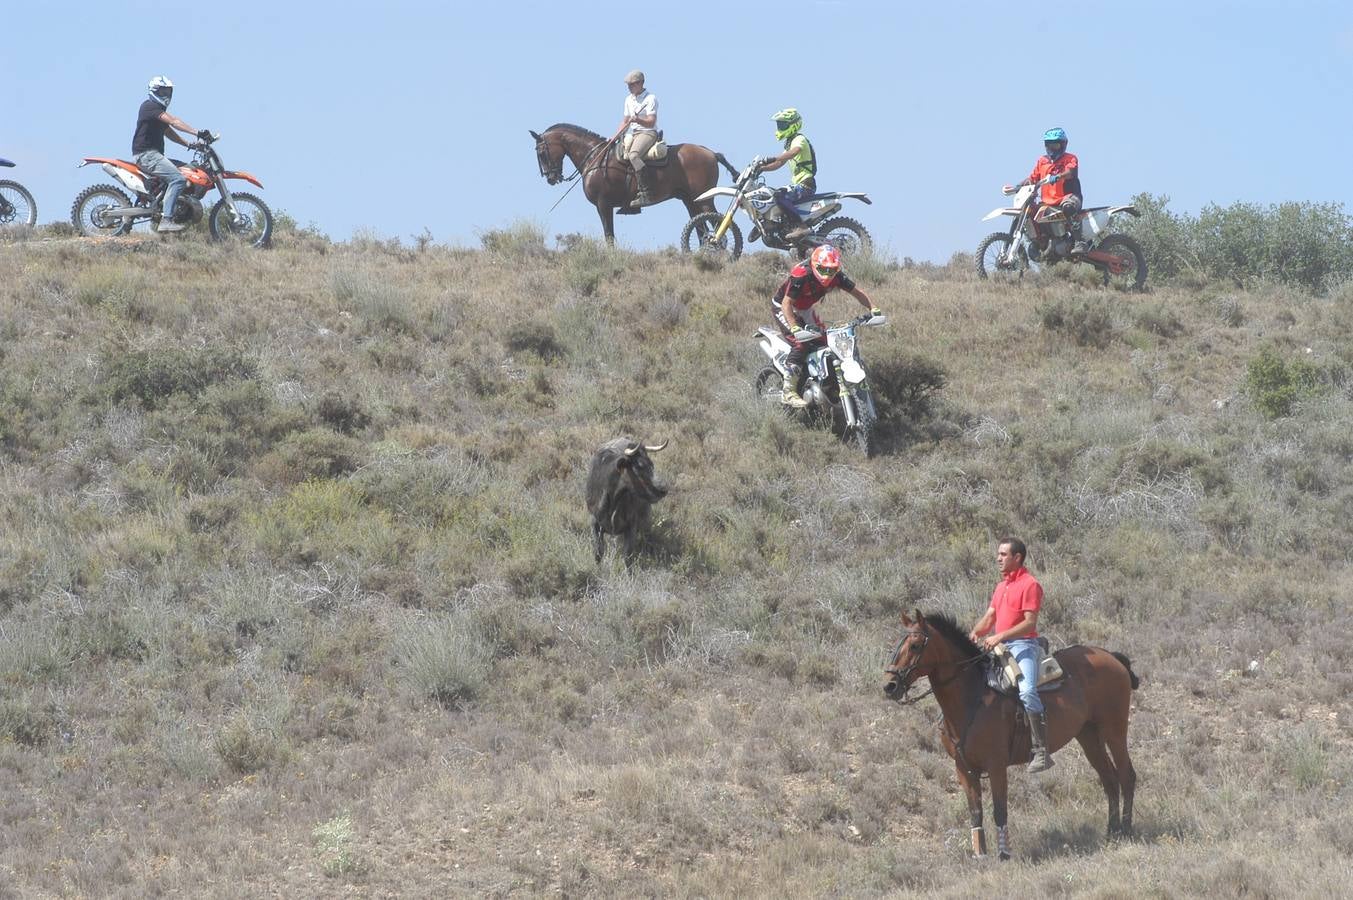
(550, 155)
(910, 659)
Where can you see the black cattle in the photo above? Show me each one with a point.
(621, 489)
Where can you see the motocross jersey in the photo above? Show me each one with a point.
(804, 163)
(1054, 193)
(805, 291)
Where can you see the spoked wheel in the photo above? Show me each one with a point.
(1132, 275)
(88, 213)
(253, 227)
(862, 435)
(698, 237)
(17, 206)
(767, 385)
(991, 262)
(846, 235)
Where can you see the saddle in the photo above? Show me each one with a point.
(656, 155)
(1004, 676)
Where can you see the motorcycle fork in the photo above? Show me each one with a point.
(229, 200)
(847, 395)
(723, 223)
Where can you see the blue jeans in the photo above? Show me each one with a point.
(155, 163)
(1025, 651)
(786, 198)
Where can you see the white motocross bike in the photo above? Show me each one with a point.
(1041, 235)
(836, 384)
(715, 232)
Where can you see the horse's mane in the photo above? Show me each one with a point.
(569, 126)
(944, 624)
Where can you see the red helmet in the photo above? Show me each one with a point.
(825, 263)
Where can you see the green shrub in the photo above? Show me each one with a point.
(535, 337)
(333, 846)
(246, 746)
(442, 658)
(521, 240)
(589, 262)
(1087, 321)
(151, 376)
(1276, 384)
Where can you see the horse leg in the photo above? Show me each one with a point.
(1092, 742)
(999, 788)
(1127, 776)
(972, 788)
(607, 216)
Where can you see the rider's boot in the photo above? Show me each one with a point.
(789, 392)
(645, 195)
(168, 225)
(799, 230)
(1038, 729)
(1081, 245)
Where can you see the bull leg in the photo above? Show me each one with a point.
(630, 547)
(972, 789)
(999, 789)
(598, 541)
(1093, 744)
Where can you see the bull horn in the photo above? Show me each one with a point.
(630, 451)
(534, 135)
(659, 447)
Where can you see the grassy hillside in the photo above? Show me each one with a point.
(296, 595)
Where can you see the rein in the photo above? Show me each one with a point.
(578, 171)
(959, 668)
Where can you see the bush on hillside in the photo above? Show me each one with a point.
(1302, 244)
(151, 376)
(1275, 384)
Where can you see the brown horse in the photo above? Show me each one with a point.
(610, 184)
(979, 726)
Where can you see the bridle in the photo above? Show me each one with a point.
(904, 675)
(553, 172)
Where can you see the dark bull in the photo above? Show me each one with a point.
(621, 489)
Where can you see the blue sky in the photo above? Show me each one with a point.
(400, 116)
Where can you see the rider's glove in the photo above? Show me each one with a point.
(875, 312)
(1054, 178)
(804, 335)
(204, 135)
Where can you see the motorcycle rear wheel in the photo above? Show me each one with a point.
(86, 213)
(254, 227)
(846, 235)
(18, 206)
(1132, 278)
(698, 237)
(988, 259)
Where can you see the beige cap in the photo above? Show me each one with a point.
(634, 76)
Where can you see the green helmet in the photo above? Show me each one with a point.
(788, 123)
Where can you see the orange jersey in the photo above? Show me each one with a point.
(1070, 183)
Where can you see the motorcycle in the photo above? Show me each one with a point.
(1041, 235)
(105, 209)
(17, 206)
(836, 384)
(715, 232)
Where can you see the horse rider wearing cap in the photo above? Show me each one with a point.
(640, 127)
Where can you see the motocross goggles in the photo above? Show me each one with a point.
(825, 272)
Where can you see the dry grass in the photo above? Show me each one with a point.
(297, 596)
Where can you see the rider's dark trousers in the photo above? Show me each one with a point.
(785, 198)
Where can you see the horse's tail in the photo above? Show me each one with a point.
(726, 164)
(1127, 664)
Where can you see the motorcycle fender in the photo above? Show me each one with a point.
(856, 195)
(244, 175)
(1003, 211)
(1130, 210)
(132, 182)
(754, 233)
(707, 195)
(195, 176)
(852, 371)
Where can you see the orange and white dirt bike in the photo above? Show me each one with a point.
(105, 209)
(1042, 235)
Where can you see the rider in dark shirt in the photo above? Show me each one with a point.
(793, 303)
(153, 124)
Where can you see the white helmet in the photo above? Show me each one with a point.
(161, 90)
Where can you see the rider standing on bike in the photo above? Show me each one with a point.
(1012, 619)
(1063, 190)
(640, 127)
(803, 173)
(153, 124)
(793, 303)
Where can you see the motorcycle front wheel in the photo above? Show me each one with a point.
(1133, 276)
(863, 437)
(17, 206)
(87, 212)
(767, 384)
(698, 237)
(846, 235)
(989, 259)
(254, 226)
